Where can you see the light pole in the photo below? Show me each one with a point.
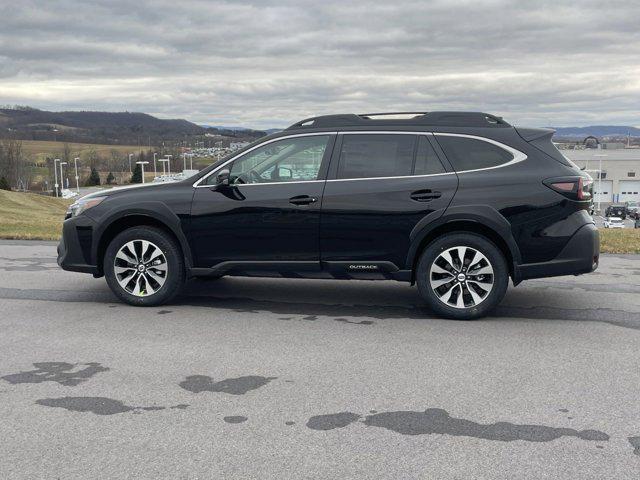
(142, 164)
(62, 176)
(130, 155)
(55, 173)
(600, 180)
(75, 164)
(164, 163)
(169, 164)
(184, 161)
(155, 170)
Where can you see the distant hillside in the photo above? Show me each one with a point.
(101, 127)
(597, 131)
(227, 128)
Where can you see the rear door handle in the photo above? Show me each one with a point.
(425, 195)
(302, 200)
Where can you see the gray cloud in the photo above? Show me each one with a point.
(268, 63)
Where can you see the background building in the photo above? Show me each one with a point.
(620, 174)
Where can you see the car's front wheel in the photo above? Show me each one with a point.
(144, 266)
(462, 276)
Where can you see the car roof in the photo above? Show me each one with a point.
(402, 119)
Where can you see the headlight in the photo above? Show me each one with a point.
(83, 204)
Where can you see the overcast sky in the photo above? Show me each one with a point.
(268, 64)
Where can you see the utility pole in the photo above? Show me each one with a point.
(61, 175)
(75, 163)
(130, 155)
(168, 164)
(155, 170)
(55, 173)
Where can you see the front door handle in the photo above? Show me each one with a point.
(425, 195)
(302, 200)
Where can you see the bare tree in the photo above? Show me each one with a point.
(12, 162)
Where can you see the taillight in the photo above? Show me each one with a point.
(576, 188)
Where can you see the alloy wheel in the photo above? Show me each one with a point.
(140, 268)
(461, 277)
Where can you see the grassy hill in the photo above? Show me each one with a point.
(31, 216)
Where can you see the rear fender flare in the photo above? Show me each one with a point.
(482, 215)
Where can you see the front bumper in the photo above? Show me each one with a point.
(580, 255)
(75, 247)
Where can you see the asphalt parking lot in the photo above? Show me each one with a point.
(599, 220)
(270, 378)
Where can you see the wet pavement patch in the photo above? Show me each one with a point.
(163, 312)
(96, 405)
(66, 374)
(363, 322)
(233, 386)
(438, 421)
(635, 443)
(332, 421)
(235, 419)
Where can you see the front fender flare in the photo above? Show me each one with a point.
(155, 210)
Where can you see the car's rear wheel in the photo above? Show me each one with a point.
(462, 276)
(144, 266)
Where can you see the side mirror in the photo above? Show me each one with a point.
(284, 173)
(224, 177)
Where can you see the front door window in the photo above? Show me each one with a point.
(288, 160)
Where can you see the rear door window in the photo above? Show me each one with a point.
(427, 162)
(373, 155)
(470, 154)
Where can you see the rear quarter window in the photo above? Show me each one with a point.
(471, 154)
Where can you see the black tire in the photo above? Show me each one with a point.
(174, 274)
(471, 311)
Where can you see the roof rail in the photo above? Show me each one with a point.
(449, 119)
(388, 114)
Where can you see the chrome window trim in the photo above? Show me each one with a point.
(196, 184)
(518, 156)
(389, 178)
(273, 183)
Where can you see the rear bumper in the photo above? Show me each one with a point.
(74, 249)
(580, 255)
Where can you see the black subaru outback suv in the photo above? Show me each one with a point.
(455, 202)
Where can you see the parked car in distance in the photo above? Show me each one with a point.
(613, 222)
(455, 202)
(616, 210)
(632, 209)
